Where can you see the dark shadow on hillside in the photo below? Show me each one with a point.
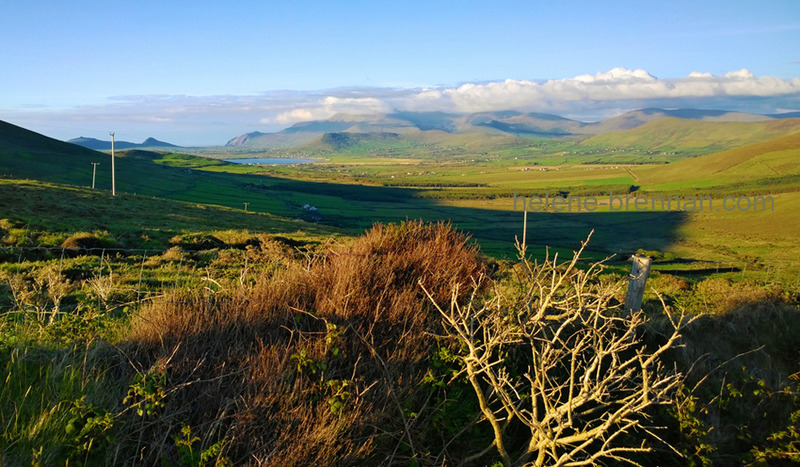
(356, 207)
(343, 206)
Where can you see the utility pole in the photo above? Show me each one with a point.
(94, 171)
(113, 175)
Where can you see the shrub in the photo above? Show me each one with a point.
(739, 397)
(374, 282)
(561, 376)
(197, 242)
(319, 362)
(87, 241)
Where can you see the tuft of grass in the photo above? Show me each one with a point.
(47, 399)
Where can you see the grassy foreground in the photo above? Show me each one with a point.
(276, 351)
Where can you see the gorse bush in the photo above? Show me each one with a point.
(374, 282)
(316, 363)
(88, 241)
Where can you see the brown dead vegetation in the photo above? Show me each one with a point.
(314, 364)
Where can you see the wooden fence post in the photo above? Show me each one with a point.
(636, 283)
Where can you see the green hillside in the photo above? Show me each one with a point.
(692, 137)
(19, 141)
(428, 144)
(28, 155)
(43, 214)
(773, 164)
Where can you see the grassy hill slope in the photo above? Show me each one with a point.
(18, 140)
(44, 214)
(691, 137)
(28, 155)
(765, 164)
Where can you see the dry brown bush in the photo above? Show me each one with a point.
(85, 241)
(262, 368)
(374, 282)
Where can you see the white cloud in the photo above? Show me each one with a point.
(616, 75)
(425, 100)
(330, 106)
(206, 119)
(616, 84)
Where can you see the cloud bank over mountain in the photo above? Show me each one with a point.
(330, 106)
(200, 120)
(617, 84)
(568, 94)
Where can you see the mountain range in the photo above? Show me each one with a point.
(101, 145)
(438, 125)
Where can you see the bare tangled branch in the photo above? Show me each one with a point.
(564, 362)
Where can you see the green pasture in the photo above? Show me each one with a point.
(684, 137)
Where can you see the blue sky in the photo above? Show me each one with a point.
(198, 72)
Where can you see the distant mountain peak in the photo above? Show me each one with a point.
(152, 142)
(101, 145)
(242, 140)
